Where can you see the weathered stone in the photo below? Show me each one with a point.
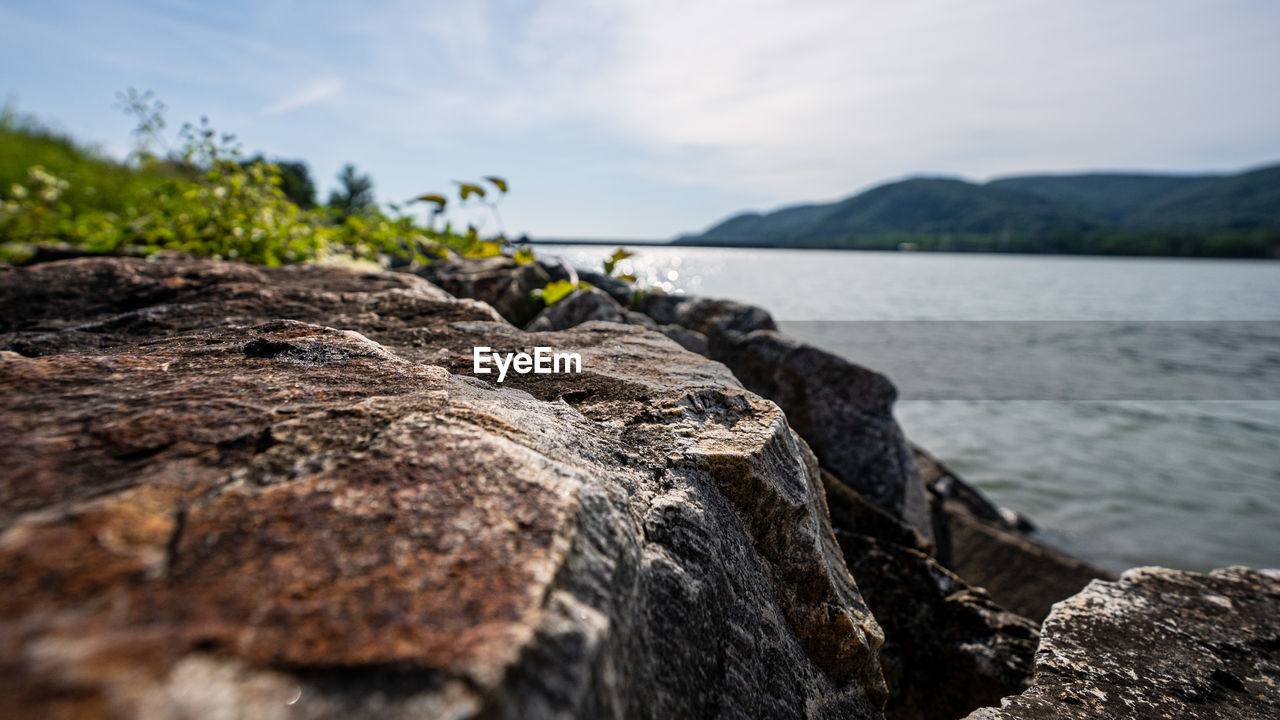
(631, 317)
(579, 307)
(661, 306)
(948, 647)
(499, 281)
(690, 340)
(1021, 573)
(618, 290)
(980, 543)
(1158, 644)
(844, 411)
(723, 322)
(213, 501)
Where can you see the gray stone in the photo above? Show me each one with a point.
(844, 411)
(1160, 644)
(690, 340)
(948, 647)
(499, 281)
(987, 547)
(579, 307)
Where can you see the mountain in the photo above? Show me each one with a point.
(1106, 213)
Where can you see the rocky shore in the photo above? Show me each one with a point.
(246, 492)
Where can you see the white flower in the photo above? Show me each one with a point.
(18, 192)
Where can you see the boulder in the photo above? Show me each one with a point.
(949, 648)
(579, 307)
(660, 306)
(1160, 644)
(620, 291)
(1021, 572)
(724, 322)
(499, 281)
(251, 492)
(844, 411)
(690, 340)
(998, 550)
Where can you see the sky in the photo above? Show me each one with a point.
(645, 119)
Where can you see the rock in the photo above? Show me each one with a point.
(1023, 574)
(260, 492)
(618, 290)
(690, 340)
(631, 317)
(1158, 644)
(723, 322)
(498, 281)
(948, 647)
(844, 411)
(579, 307)
(660, 306)
(981, 544)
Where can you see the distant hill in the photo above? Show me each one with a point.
(1099, 213)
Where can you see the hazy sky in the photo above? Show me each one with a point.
(648, 118)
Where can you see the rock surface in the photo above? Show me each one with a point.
(843, 410)
(948, 647)
(498, 281)
(579, 307)
(1159, 644)
(237, 491)
(978, 542)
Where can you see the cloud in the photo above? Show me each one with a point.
(818, 97)
(316, 91)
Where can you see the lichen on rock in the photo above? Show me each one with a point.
(1158, 643)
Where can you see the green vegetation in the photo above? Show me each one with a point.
(203, 198)
(1110, 214)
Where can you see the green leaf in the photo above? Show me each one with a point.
(629, 279)
(523, 255)
(466, 190)
(436, 198)
(483, 249)
(556, 291)
(498, 183)
(617, 256)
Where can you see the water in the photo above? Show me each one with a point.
(1164, 450)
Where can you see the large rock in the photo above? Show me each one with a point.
(948, 647)
(498, 281)
(1159, 644)
(997, 550)
(843, 410)
(245, 492)
(579, 307)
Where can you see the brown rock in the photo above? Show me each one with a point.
(214, 503)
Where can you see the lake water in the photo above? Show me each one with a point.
(1130, 407)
